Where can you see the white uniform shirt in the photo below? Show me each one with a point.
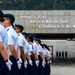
(22, 42)
(12, 37)
(36, 48)
(34, 45)
(39, 48)
(31, 47)
(3, 36)
(28, 48)
(46, 52)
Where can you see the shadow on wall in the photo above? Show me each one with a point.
(62, 56)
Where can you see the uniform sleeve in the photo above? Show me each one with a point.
(20, 42)
(40, 49)
(0, 38)
(30, 47)
(35, 47)
(48, 53)
(44, 52)
(10, 39)
(25, 48)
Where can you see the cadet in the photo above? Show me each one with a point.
(32, 54)
(12, 43)
(37, 54)
(47, 69)
(28, 49)
(30, 63)
(41, 57)
(5, 63)
(23, 44)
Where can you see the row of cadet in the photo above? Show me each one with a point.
(21, 53)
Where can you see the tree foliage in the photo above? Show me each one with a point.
(37, 5)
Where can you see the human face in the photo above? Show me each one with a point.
(36, 42)
(17, 29)
(6, 22)
(25, 37)
(28, 39)
(44, 47)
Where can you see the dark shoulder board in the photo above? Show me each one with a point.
(7, 29)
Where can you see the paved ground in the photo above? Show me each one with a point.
(63, 69)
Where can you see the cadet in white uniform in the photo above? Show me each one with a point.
(37, 54)
(23, 44)
(41, 57)
(47, 58)
(12, 43)
(28, 49)
(32, 54)
(5, 63)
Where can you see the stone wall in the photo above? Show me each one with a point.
(45, 21)
(62, 45)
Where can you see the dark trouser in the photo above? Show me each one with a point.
(36, 69)
(21, 70)
(3, 68)
(31, 68)
(14, 68)
(25, 71)
(49, 69)
(46, 69)
(40, 67)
